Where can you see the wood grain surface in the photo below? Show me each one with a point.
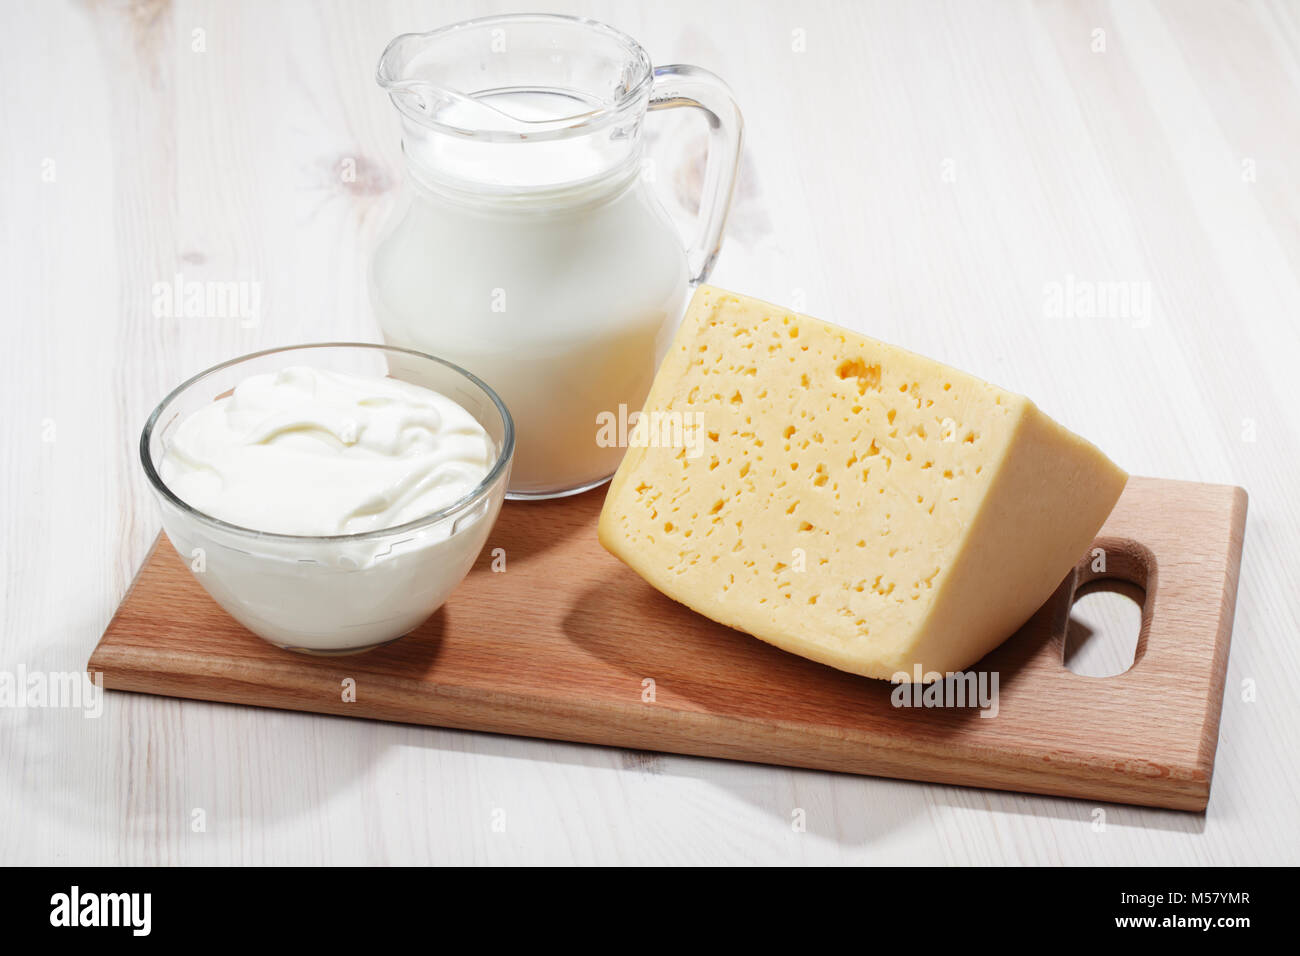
(933, 174)
(550, 636)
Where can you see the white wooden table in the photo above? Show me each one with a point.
(955, 178)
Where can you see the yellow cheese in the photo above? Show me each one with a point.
(847, 500)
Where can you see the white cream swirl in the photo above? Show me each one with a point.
(314, 452)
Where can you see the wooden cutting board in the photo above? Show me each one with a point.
(567, 643)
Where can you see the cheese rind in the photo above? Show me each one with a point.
(847, 500)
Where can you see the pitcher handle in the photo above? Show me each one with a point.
(680, 85)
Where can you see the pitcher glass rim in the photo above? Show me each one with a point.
(636, 94)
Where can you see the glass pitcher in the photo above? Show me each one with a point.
(530, 249)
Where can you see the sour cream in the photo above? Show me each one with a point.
(312, 452)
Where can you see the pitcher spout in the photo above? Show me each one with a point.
(419, 97)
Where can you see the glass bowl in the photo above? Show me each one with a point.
(343, 593)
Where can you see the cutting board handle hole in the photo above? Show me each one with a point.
(1102, 636)
(1110, 609)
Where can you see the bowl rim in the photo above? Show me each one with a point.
(470, 498)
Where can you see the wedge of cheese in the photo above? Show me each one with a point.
(847, 500)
